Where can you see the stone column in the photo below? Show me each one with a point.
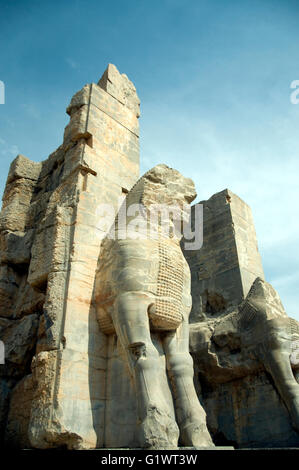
(97, 163)
(228, 262)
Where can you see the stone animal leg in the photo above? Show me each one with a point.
(190, 414)
(275, 354)
(157, 428)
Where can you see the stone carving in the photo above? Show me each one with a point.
(68, 382)
(235, 339)
(257, 335)
(143, 287)
(52, 382)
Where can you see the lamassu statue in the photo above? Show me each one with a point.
(142, 294)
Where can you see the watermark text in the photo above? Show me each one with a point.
(294, 97)
(139, 222)
(2, 92)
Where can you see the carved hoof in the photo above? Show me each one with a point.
(158, 431)
(196, 434)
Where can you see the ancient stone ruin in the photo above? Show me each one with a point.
(97, 330)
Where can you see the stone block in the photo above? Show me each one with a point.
(113, 108)
(19, 338)
(16, 432)
(50, 250)
(249, 413)
(10, 281)
(15, 247)
(120, 87)
(224, 268)
(77, 127)
(51, 322)
(112, 134)
(81, 98)
(22, 167)
(65, 383)
(16, 203)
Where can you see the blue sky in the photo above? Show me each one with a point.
(214, 81)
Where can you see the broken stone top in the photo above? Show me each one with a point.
(263, 298)
(120, 87)
(162, 185)
(22, 167)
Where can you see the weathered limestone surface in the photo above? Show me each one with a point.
(68, 378)
(224, 269)
(50, 245)
(16, 433)
(142, 292)
(241, 339)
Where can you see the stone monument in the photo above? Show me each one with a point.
(244, 346)
(84, 318)
(143, 295)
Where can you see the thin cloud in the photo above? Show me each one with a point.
(72, 63)
(8, 150)
(32, 110)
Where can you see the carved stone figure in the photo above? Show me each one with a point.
(256, 336)
(143, 290)
(64, 382)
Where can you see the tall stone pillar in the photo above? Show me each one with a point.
(228, 262)
(51, 208)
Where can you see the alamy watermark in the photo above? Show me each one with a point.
(294, 97)
(139, 222)
(2, 92)
(2, 353)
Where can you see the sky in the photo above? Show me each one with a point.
(214, 80)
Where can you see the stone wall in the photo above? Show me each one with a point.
(56, 357)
